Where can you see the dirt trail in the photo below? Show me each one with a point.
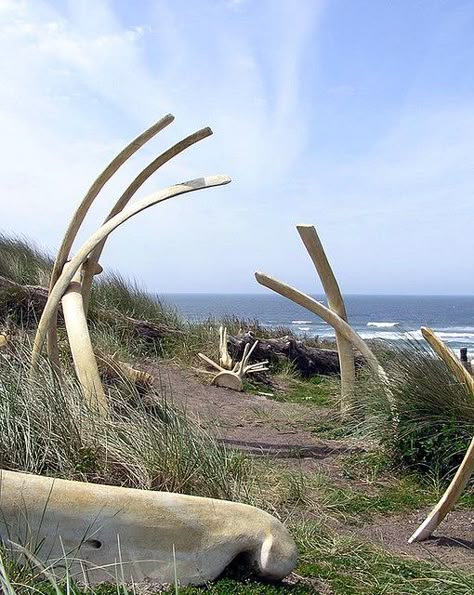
(263, 426)
(251, 422)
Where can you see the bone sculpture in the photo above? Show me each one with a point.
(108, 531)
(466, 468)
(334, 316)
(153, 535)
(336, 304)
(71, 282)
(231, 375)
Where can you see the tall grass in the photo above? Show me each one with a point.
(435, 412)
(46, 428)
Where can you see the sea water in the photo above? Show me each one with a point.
(382, 316)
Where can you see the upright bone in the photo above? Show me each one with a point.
(81, 347)
(336, 304)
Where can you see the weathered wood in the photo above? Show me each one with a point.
(307, 360)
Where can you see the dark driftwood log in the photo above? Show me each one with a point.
(307, 360)
(27, 303)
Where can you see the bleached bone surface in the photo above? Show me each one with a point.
(82, 210)
(336, 303)
(150, 169)
(101, 525)
(83, 356)
(328, 316)
(233, 378)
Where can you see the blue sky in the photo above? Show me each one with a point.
(355, 116)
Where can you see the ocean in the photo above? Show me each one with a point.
(382, 316)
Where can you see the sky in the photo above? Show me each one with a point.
(355, 116)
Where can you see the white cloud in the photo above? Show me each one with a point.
(80, 85)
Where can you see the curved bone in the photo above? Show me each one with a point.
(328, 316)
(81, 212)
(466, 468)
(81, 346)
(451, 361)
(336, 303)
(61, 285)
(152, 535)
(93, 260)
(228, 379)
(209, 361)
(448, 499)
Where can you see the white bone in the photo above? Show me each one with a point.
(138, 534)
(92, 261)
(61, 285)
(328, 316)
(336, 303)
(451, 361)
(81, 212)
(210, 362)
(224, 358)
(81, 347)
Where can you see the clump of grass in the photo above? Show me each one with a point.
(115, 300)
(435, 413)
(46, 428)
(345, 564)
(317, 390)
(23, 262)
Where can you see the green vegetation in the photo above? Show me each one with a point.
(435, 414)
(318, 390)
(387, 468)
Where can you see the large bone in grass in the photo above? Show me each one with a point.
(62, 283)
(138, 535)
(336, 303)
(81, 212)
(466, 468)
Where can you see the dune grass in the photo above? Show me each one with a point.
(46, 428)
(149, 443)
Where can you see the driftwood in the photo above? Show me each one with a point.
(30, 300)
(307, 360)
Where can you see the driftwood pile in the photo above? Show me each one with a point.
(306, 360)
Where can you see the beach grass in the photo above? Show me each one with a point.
(150, 443)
